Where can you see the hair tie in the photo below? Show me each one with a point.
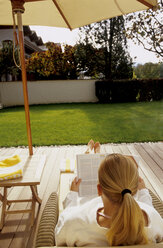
(125, 191)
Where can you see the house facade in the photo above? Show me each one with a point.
(32, 43)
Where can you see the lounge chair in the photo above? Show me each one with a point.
(45, 235)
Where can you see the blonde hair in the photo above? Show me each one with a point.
(116, 173)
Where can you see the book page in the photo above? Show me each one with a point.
(87, 170)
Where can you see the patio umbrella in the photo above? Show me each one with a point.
(62, 13)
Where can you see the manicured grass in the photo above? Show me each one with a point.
(62, 124)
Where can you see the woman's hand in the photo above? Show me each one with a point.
(141, 184)
(75, 184)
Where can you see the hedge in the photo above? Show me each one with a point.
(112, 91)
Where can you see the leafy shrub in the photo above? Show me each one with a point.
(151, 89)
(129, 90)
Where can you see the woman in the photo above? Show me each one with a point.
(115, 217)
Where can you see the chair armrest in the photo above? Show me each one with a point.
(49, 218)
(157, 203)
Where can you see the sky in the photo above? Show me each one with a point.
(65, 36)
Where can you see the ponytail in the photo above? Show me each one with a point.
(127, 227)
(118, 177)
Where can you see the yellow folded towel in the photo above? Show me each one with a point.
(10, 168)
(67, 165)
(10, 161)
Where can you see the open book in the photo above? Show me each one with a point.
(87, 170)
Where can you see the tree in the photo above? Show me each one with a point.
(69, 62)
(46, 63)
(7, 65)
(148, 70)
(53, 63)
(107, 39)
(88, 59)
(146, 28)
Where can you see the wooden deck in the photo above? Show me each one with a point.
(17, 232)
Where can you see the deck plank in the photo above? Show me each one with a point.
(17, 231)
(108, 148)
(150, 175)
(141, 171)
(151, 158)
(157, 149)
(154, 153)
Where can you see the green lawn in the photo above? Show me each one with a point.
(61, 124)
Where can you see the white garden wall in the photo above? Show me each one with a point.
(45, 92)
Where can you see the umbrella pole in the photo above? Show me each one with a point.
(24, 79)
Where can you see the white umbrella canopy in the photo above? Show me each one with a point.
(71, 13)
(62, 13)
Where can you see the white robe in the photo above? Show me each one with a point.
(77, 224)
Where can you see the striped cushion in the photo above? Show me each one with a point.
(158, 205)
(49, 218)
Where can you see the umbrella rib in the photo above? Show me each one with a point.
(60, 11)
(146, 3)
(119, 7)
(141, 1)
